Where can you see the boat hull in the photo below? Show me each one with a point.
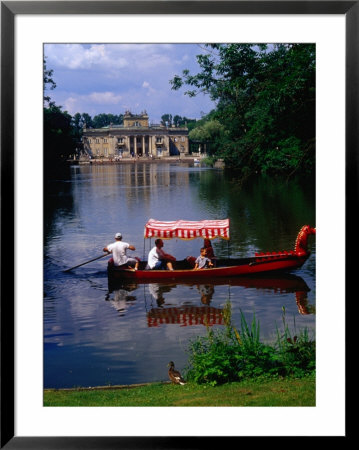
(224, 269)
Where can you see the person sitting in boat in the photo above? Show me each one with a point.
(207, 244)
(118, 250)
(158, 259)
(209, 254)
(202, 262)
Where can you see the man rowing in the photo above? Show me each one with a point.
(118, 250)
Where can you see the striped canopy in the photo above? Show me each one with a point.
(186, 230)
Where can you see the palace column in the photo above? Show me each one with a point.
(153, 151)
(135, 145)
(143, 145)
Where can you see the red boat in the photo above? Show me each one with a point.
(260, 263)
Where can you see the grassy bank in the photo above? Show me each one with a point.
(278, 392)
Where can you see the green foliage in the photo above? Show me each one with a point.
(229, 355)
(166, 119)
(297, 353)
(59, 136)
(48, 83)
(59, 140)
(209, 131)
(104, 120)
(265, 98)
(178, 121)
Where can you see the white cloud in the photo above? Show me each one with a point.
(77, 56)
(75, 103)
(149, 88)
(104, 98)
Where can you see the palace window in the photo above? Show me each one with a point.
(120, 140)
(158, 140)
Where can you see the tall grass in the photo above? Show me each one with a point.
(229, 354)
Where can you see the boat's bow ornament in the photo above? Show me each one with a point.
(301, 243)
(300, 247)
(187, 230)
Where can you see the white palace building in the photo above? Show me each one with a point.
(135, 137)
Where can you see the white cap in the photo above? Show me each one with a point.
(118, 236)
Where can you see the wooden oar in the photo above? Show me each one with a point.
(86, 262)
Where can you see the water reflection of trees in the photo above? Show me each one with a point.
(58, 202)
(159, 313)
(265, 211)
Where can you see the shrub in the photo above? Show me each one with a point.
(229, 355)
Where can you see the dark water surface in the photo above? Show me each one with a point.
(96, 334)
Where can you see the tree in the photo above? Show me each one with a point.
(86, 119)
(48, 84)
(59, 138)
(265, 100)
(59, 141)
(104, 120)
(166, 120)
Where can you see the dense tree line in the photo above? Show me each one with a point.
(178, 121)
(264, 119)
(59, 136)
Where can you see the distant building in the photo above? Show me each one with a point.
(136, 137)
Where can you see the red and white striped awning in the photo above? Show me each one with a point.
(186, 230)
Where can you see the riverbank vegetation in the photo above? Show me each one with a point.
(231, 355)
(264, 120)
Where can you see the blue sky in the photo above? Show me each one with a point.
(111, 78)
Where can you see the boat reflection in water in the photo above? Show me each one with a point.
(122, 297)
(184, 315)
(158, 313)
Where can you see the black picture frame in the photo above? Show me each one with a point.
(9, 9)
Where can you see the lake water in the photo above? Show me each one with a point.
(96, 334)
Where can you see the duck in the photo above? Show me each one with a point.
(174, 375)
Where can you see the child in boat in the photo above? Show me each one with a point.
(202, 262)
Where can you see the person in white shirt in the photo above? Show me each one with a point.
(118, 250)
(158, 259)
